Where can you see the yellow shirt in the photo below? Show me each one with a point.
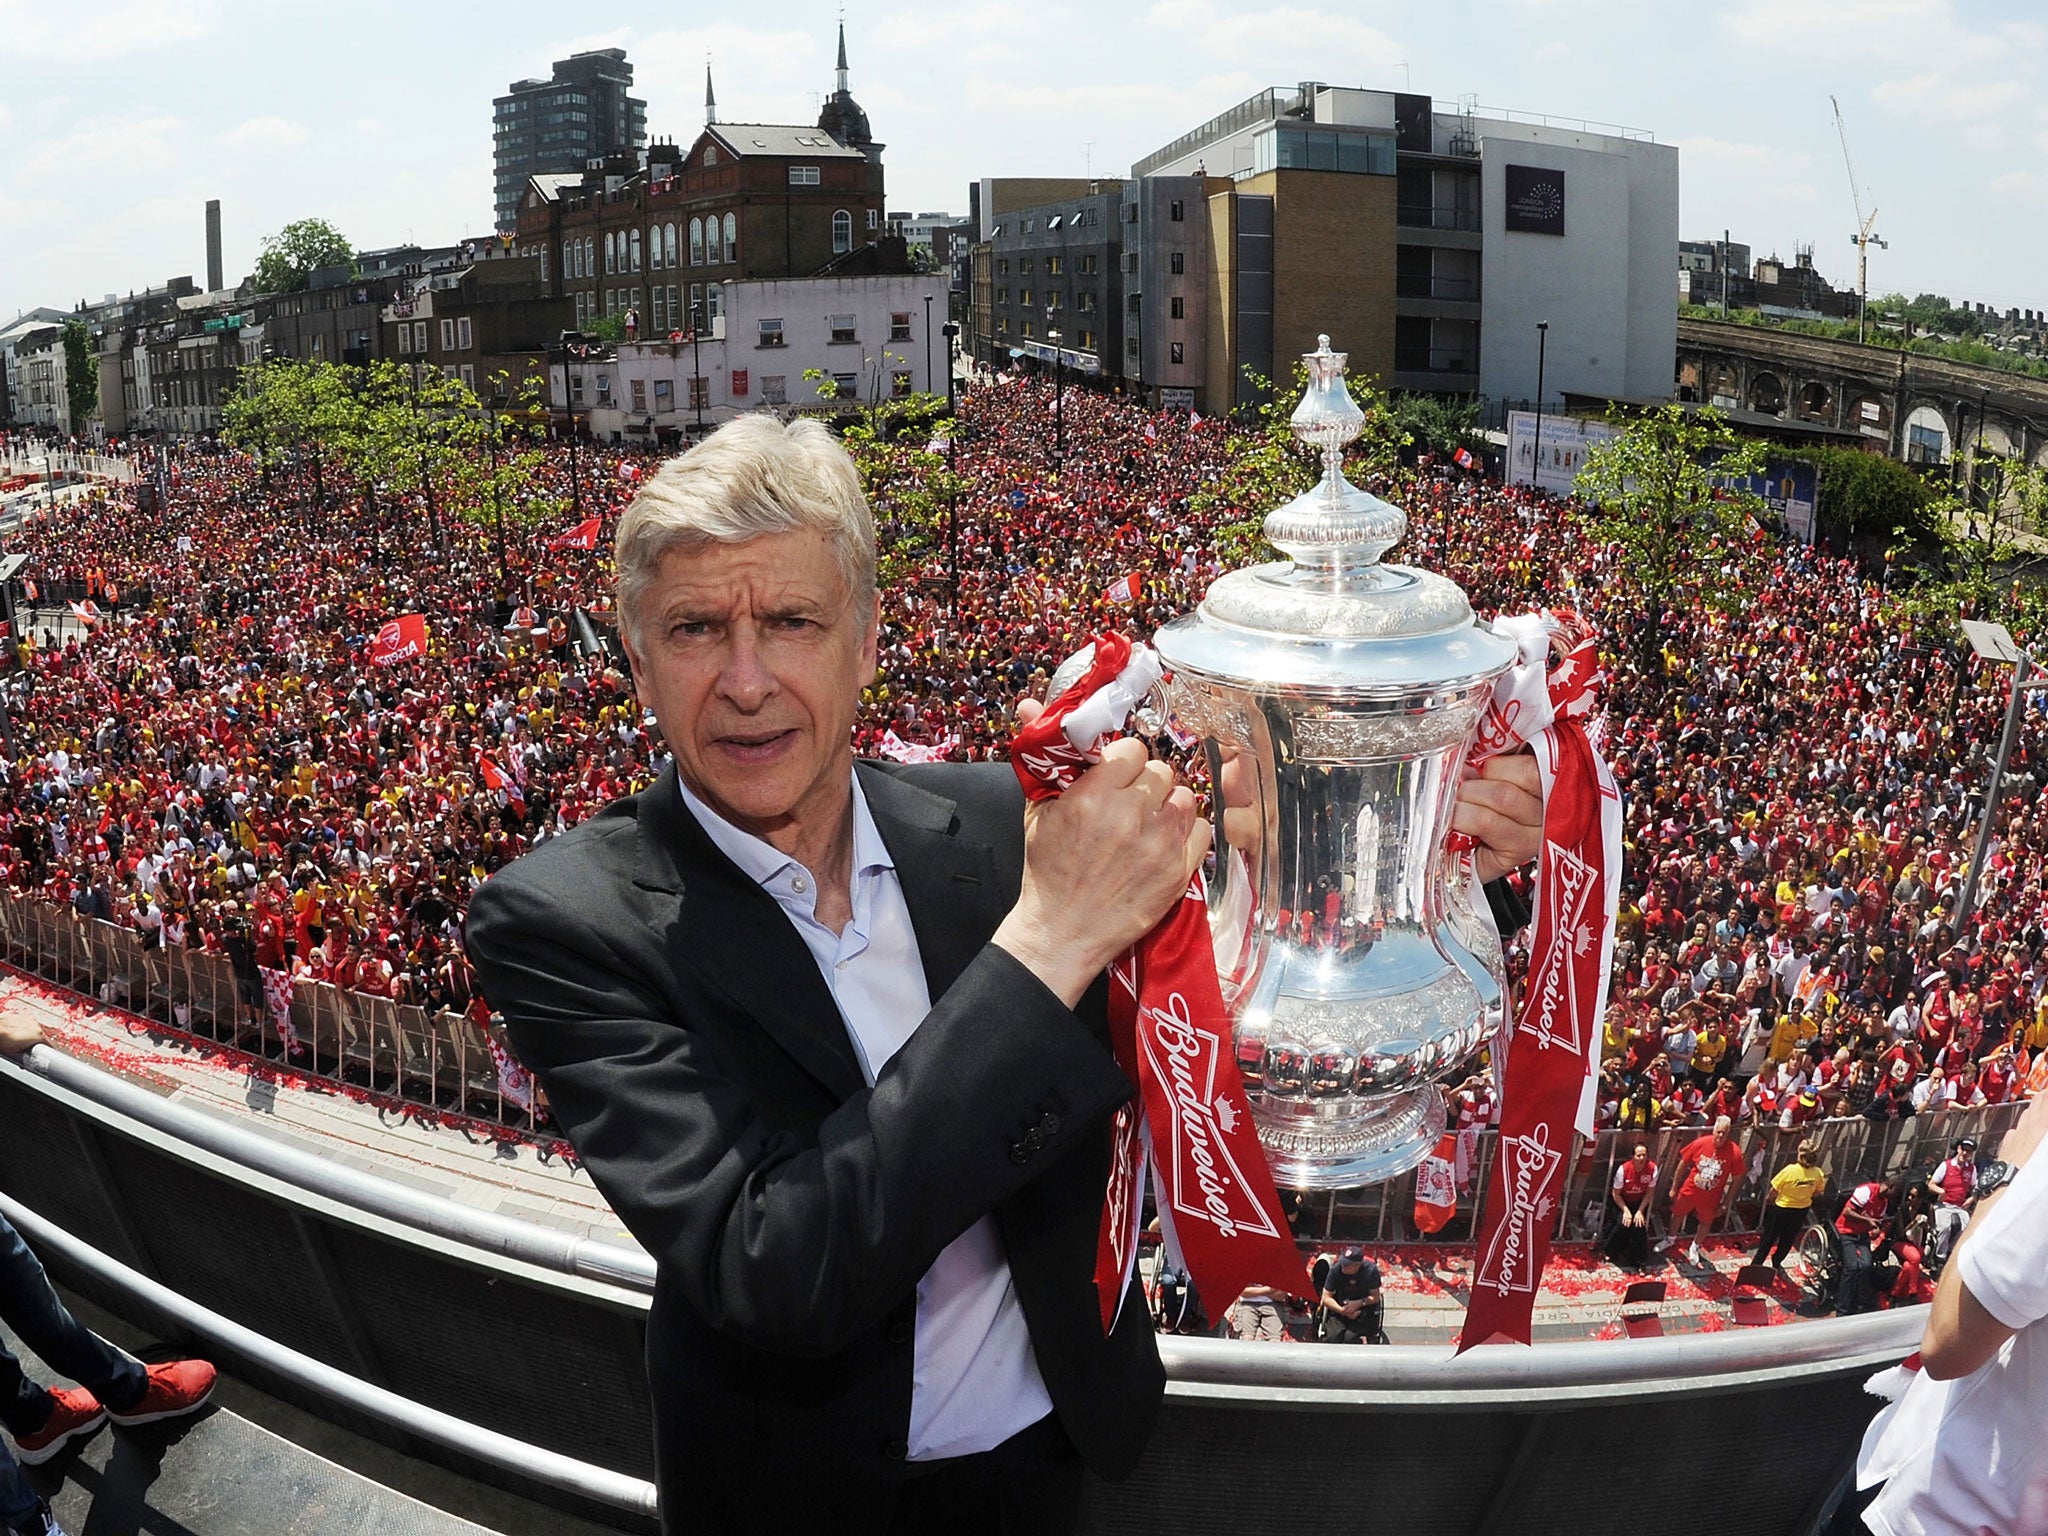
(1784, 1036)
(1795, 1185)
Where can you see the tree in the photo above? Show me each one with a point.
(292, 255)
(1437, 425)
(1662, 490)
(1869, 496)
(81, 374)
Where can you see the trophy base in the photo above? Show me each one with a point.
(1312, 1148)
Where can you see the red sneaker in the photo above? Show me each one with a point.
(73, 1412)
(177, 1386)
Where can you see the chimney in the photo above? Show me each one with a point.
(214, 279)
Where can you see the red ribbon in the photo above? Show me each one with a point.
(1172, 1036)
(1555, 1044)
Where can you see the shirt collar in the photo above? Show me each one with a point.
(761, 861)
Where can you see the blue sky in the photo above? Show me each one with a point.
(119, 118)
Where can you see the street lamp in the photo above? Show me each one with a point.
(1058, 411)
(697, 365)
(1536, 450)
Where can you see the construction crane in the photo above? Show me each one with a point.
(1863, 239)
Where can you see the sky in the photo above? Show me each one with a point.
(118, 119)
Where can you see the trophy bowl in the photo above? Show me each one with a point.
(1338, 697)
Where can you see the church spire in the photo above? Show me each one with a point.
(710, 100)
(842, 56)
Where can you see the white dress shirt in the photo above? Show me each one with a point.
(975, 1381)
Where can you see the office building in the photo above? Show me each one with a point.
(558, 126)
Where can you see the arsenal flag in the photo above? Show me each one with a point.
(86, 612)
(1127, 588)
(400, 640)
(1463, 458)
(582, 536)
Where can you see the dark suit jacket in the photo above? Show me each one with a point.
(697, 1060)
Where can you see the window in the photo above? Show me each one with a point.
(660, 316)
(1087, 264)
(842, 232)
(654, 248)
(542, 252)
(1131, 303)
(1173, 211)
(1176, 352)
(1087, 341)
(590, 255)
(569, 258)
(1003, 325)
(803, 175)
(696, 242)
(775, 388)
(609, 265)
(714, 248)
(1179, 308)
(899, 384)
(700, 393)
(447, 335)
(849, 385)
(732, 237)
(1029, 330)
(1024, 297)
(714, 294)
(604, 386)
(463, 334)
(1002, 295)
(1054, 266)
(1002, 266)
(576, 387)
(874, 218)
(668, 245)
(1085, 302)
(1177, 263)
(771, 336)
(1023, 263)
(842, 328)
(899, 325)
(696, 303)
(404, 340)
(579, 315)
(1055, 299)
(469, 375)
(664, 396)
(633, 302)
(711, 154)
(633, 241)
(675, 307)
(639, 394)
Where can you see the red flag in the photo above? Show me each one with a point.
(86, 612)
(494, 781)
(1463, 458)
(1127, 588)
(401, 639)
(582, 536)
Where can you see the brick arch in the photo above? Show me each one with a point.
(1814, 400)
(1767, 392)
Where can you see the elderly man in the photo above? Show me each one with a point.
(831, 1037)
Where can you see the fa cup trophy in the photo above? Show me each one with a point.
(1337, 697)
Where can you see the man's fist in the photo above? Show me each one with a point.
(17, 1034)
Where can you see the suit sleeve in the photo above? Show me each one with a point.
(788, 1245)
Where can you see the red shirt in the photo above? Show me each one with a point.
(1635, 1179)
(1709, 1167)
(1865, 1200)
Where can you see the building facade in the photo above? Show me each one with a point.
(557, 126)
(1057, 283)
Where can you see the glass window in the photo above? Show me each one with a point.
(775, 388)
(634, 241)
(1322, 151)
(696, 242)
(1353, 154)
(714, 248)
(874, 218)
(803, 175)
(462, 334)
(1179, 309)
(842, 232)
(1176, 352)
(668, 245)
(654, 248)
(771, 336)
(843, 328)
(732, 237)
(899, 325)
(849, 385)
(1177, 263)
(610, 265)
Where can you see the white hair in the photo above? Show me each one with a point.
(751, 478)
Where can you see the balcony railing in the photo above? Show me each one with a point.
(1435, 216)
(1463, 290)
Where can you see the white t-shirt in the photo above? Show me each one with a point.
(1963, 1457)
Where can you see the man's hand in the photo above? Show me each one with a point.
(1102, 864)
(2025, 1136)
(17, 1034)
(1502, 808)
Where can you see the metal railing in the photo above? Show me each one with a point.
(97, 466)
(1853, 1151)
(222, 1334)
(440, 1060)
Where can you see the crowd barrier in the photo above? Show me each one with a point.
(96, 466)
(1853, 1150)
(440, 1060)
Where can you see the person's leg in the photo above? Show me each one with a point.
(1854, 1294)
(46, 1325)
(19, 1503)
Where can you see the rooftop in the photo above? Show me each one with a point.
(788, 139)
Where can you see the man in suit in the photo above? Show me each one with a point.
(830, 1038)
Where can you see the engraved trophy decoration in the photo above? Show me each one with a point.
(1338, 696)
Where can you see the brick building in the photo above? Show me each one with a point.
(744, 201)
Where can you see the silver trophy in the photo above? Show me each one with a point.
(1336, 698)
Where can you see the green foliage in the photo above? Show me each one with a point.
(898, 446)
(611, 328)
(291, 256)
(1438, 425)
(1656, 492)
(1963, 349)
(1870, 496)
(81, 374)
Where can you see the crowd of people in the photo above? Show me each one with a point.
(215, 758)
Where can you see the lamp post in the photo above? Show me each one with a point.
(697, 364)
(1052, 335)
(1536, 449)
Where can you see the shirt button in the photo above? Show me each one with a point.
(896, 1450)
(798, 884)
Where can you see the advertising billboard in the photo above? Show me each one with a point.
(1566, 441)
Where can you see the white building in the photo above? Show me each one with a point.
(868, 338)
(29, 335)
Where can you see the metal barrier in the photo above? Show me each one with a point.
(1497, 1440)
(439, 1060)
(1853, 1150)
(98, 466)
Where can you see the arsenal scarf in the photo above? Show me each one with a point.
(1190, 1124)
(1553, 1052)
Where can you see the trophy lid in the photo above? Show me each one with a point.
(1332, 619)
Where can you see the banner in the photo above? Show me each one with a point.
(1126, 589)
(1566, 442)
(582, 536)
(896, 749)
(400, 640)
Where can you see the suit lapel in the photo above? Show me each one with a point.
(948, 874)
(730, 932)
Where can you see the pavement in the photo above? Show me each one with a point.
(474, 1163)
